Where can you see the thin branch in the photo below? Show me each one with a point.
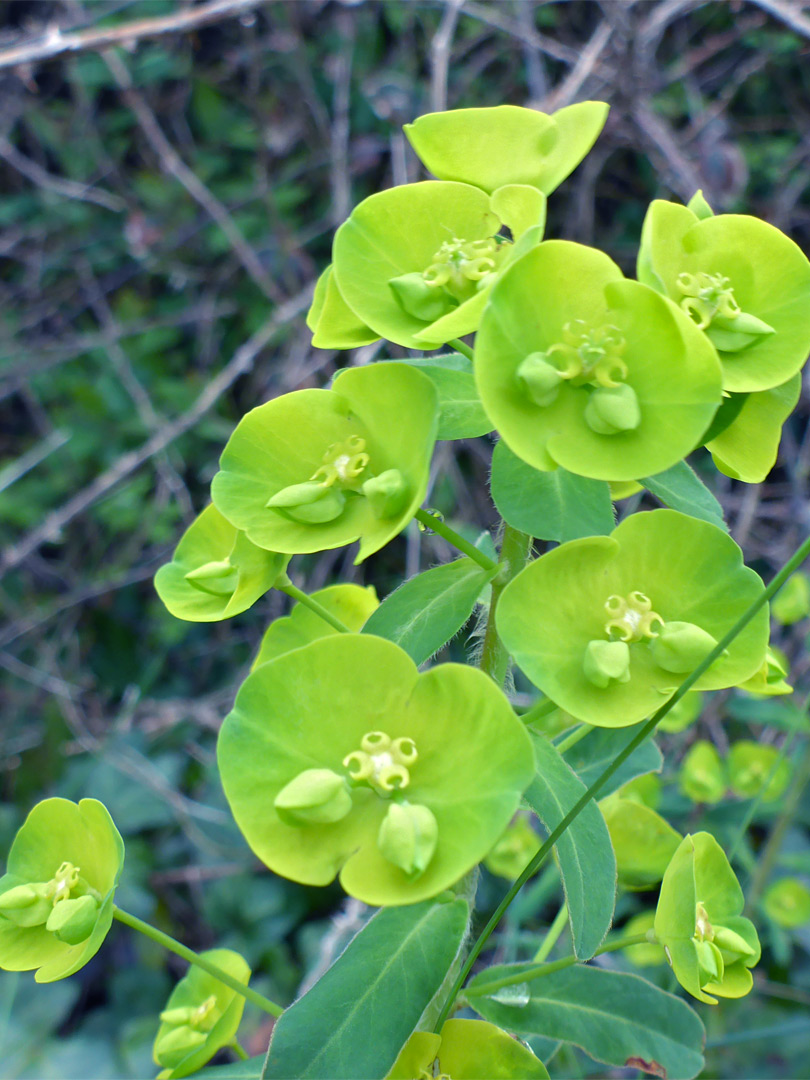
(790, 14)
(440, 54)
(69, 189)
(173, 164)
(54, 43)
(567, 91)
(239, 364)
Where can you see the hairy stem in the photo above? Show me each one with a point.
(313, 605)
(169, 943)
(645, 729)
(515, 549)
(435, 524)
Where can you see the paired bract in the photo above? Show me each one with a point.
(339, 757)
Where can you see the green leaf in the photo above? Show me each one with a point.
(779, 714)
(354, 1021)
(616, 1018)
(425, 612)
(681, 489)
(591, 756)
(461, 414)
(587, 863)
(555, 505)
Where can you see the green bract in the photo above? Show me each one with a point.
(746, 449)
(352, 604)
(646, 954)
(709, 944)
(511, 855)
(792, 603)
(787, 902)
(340, 757)
(682, 714)
(507, 144)
(333, 323)
(56, 899)
(608, 626)
(216, 571)
(578, 367)
(743, 282)
(201, 1016)
(466, 1050)
(757, 770)
(703, 775)
(416, 262)
(318, 469)
(642, 840)
(771, 679)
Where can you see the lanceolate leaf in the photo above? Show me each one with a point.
(587, 863)
(591, 756)
(617, 1018)
(461, 414)
(681, 489)
(555, 505)
(354, 1021)
(423, 614)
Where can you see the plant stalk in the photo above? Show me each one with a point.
(436, 525)
(313, 605)
(515, 548)
(460, 347)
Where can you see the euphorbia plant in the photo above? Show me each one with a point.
(342, 759)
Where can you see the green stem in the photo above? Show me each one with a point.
(575, 736)
(529, 974)
(435, 524)
(239, 1050)
(553, 935)
(459, 346)
(313, 605)
(194, 958)
(644, 731)
(515, 548)
(540, 709)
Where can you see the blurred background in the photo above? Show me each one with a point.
(171, 175)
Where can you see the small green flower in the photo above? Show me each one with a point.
(578, 367)
(741, 281)
(507, 144)
(787, 902)
(201, 1016)
(416, 262)
(643, 841)
(709, 944)
(216, 571)
(318, 469)
(702, 776)
(661, 591)
(756, 770)
(792, 603)
(466, 1050)
(340, 757)
(56, 899)
(352, 604)
(683, 713)
(649, 954)
(771, 679)
(514, 850)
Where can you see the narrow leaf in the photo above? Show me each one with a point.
(549, 505)
(461, 414)
(587, 863)
(425, 612)
(617, 1018)
(681, 489)
(590, 757)
(354, 1021)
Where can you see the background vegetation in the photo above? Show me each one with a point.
(167, 203)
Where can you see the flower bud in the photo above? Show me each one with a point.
(218, 578)
(732, 335)
(176, 1044)
(314, 797)
(605, 661)
(415, 296)
(72, 920)
(25, 905)
(407, 837)
(710, 961)
(387, 493)
(612, 409)
(541, 378)
(310, 503)
(681, 646)
(732, 943)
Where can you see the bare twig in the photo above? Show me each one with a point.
(789, 12)
(683, 176)
(69, 189)
(440, 54)
(567, 91)
(173, 164)
(341, 184)
(240, 362)
(54, 43)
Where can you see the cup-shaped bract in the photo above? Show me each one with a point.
(756, 770)
(664, 585)
(578, 367)
(317, 469)
(642, 840)
(646, 954)
(201, 1016)
(434, 766)
(352, 604)
(466, 1050)
(787, 902)
(746, 448)
(771, 679)
(416, 262)
(333, 323)
(56, 898)
(708, 942)
(514, 851)
(682, 714)
(702, 776)
(216, 572)
(507, 144)
(742, 281)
